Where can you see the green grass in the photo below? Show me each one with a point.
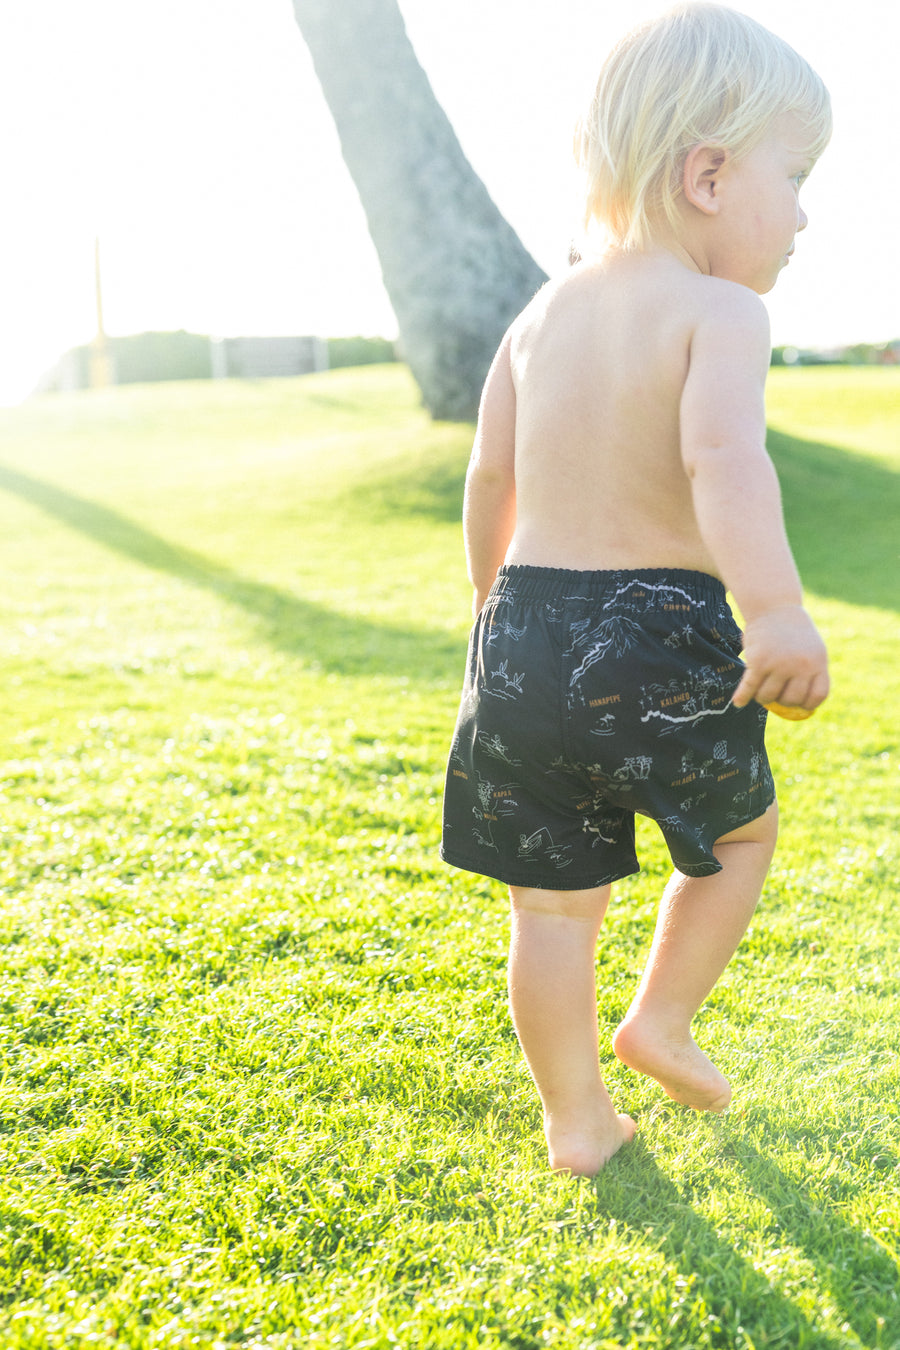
(259, 1087)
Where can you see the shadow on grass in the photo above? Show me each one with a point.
(432, 489)
(345, 644)
(841, 508)
(841, 511)
(861, 1277)
(746, 1307)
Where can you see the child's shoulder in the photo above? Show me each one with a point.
(667, 284)
(729, 324)
(646, 313)
(639, 310)
(718, 299)
(655, 281)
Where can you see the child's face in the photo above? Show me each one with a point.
(759, 208)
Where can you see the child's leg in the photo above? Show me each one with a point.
(553, 997)
(701, 921)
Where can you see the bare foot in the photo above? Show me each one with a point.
(678, 1064)
(582, 1153)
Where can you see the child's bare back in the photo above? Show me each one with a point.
(598, 363)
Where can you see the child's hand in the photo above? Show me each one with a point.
(786, 660)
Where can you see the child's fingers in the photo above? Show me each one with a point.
(785, 662)
(746, 690)
(800, 692)
(773, 688)
(768, 687)
(819, 690)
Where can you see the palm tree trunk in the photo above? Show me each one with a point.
(454, 269)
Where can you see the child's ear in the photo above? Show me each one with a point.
(700, 180)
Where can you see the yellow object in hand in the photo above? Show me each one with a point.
(789, 711)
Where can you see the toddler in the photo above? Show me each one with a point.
(619, 483)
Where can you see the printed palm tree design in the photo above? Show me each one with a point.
(683, 638)
(704, 694)
(635, 769)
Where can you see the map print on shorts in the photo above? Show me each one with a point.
(591, 697)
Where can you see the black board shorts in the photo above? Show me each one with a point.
(591, 697)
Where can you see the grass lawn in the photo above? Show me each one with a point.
(259, 1085)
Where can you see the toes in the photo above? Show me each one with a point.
(683, 1071)
(720, 1104)
(629, 1128)
(715, 1100)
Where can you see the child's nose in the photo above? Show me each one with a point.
(803, 221)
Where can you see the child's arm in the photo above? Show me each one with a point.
(489, 510)
(738, 503)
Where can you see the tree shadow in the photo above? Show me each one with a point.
(633, 1191)
(433, 490)
(861, 1277)
(841, 511)
(343, 644)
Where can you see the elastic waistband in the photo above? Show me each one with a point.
(558, 583)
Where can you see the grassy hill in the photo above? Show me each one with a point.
(259, 1084)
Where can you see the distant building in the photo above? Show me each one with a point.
(143, 358)
(257, 358)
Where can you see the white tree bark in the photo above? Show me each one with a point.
(455, 271)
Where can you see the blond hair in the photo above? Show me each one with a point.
(701, 74)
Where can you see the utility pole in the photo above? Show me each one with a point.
(100, 362)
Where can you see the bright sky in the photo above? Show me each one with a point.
(192, 136)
